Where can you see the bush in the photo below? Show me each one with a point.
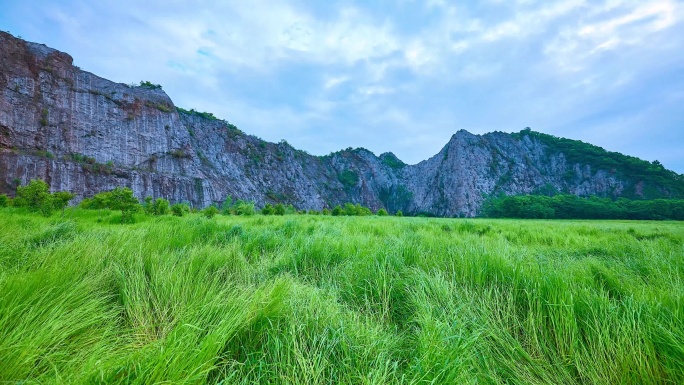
(61, 199)
(4, 200)
(268, 209)
(180, 209)
(279, 209)
(399, 214)
(160, 206)
(122, 198)
(245, 208)
(227, 206)
(210, 211)
(148, 205)
(337, 211)
(35, 196)
(382, 213)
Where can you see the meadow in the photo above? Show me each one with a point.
(306, 299)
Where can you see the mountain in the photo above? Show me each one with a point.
(85, 134)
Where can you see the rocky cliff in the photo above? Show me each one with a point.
(86, 134)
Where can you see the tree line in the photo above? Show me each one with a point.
(573, 207)
(36, 197)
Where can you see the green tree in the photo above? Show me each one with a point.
(35, 196)
(337, 211)
(61, 199)
(382, 213)
(399, 214)
(279, 209)
(4, 200)
(122, 198)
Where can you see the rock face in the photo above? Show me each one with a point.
(85, 134)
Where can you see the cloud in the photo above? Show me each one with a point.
(618, 25)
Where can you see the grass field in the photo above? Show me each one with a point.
(339, 300)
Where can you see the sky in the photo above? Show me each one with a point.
(400, 76)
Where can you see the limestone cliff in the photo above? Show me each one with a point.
(86, 134)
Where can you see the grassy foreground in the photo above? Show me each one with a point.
(343, 300)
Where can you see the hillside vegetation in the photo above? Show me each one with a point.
(338, 300)
(659, 182)
(574, 207)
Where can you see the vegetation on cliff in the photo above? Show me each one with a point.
(658, 181)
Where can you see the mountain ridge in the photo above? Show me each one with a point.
(86, 134)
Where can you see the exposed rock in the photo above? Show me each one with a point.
(86, 134)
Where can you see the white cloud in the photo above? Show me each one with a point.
(619, 24)
(333, 82)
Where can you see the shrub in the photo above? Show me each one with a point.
(161, 206)
(337, 211)
(148, 205)
(180, 209)
(44, 117)
(149, 85)
(382, 213)
(349, 178)
(245, 208)
(268, 209)
(210, 211)
(35, 196)
(61, 199)
(122, 198)
(399, 214)
(227, 205)
(4, 200)
(279, 209)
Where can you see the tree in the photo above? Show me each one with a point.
(337, 211)
(399, 214)
(61, 199)
(4, 200)
(35, 196)
(122, 198)
(382, 213)
(279, 209)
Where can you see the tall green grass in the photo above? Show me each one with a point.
(344, 300)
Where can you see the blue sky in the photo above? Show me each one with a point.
(400, 76)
